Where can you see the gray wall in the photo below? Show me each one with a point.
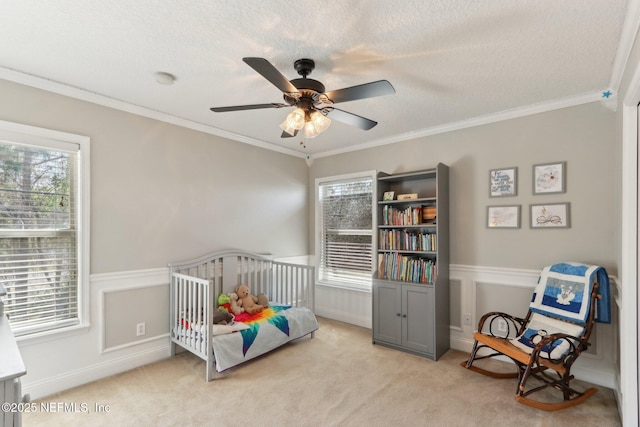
(163, 193)
(159, 193)
(583, 136)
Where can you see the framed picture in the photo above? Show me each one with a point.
(502, 182)
(549, 178)
(503, 216)
(388, 195)
(553, 215)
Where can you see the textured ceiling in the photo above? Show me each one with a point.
(451, 62)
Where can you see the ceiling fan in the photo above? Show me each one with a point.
(313, 105)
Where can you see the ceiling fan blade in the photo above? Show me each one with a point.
(247, 107)
(286, 135)
(350, 118)
(269, 72)
(367, 90)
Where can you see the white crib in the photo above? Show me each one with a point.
(194, 289)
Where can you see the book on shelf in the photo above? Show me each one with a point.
(405, 268)
(413, 215)
(407, 240)
(408, 216)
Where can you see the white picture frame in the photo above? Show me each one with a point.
(549, 178)
(503, 216)
(503, 182)
(550, 215)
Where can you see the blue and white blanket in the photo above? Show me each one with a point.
(563, 292)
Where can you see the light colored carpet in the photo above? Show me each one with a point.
(338, 378)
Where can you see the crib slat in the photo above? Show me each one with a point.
(199, 307)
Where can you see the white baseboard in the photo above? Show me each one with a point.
(346, 317)
(55, 384)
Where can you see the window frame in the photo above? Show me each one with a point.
(52, 139)
(372, 174)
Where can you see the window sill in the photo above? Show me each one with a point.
(55, 334)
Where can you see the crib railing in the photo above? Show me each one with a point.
(196, 285)
(292, 284)
(284, 283)
(191, 305)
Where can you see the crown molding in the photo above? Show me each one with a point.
(476, 121)
(77, 93)
(81, 94)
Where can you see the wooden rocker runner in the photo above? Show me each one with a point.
(544, 344)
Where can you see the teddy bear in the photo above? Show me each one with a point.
(236, 304)
(263, 300)
(250, 302)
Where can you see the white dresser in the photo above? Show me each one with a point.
(11, 369)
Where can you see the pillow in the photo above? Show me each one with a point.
(540, 326)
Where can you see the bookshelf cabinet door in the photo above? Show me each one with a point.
(417, 328)
(387, 312)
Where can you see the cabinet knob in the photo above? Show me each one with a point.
(404, 315)
(398, 314)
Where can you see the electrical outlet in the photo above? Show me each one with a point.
(502, 325)
(467, 319)
(140, 329)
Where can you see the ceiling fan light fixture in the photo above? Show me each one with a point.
(320, 121)
(310, 130)
(316, 124)
(293, 122)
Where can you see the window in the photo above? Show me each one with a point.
(345, 222)
(43, 218)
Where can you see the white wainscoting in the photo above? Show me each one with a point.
(59, 363)
(469, 278)
(483, 286)
(345, 305)
(55, 364)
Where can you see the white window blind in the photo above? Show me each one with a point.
(39, 236)
(346, 223)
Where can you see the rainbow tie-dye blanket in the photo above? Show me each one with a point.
(267, 330)
(273, 315)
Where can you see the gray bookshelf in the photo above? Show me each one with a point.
(411, 283)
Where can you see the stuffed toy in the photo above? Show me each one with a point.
(224, 303)
(249, 302)
(221, 317)
(263, 300)
(236, 305)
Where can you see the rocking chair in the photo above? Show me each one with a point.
(544, 344)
